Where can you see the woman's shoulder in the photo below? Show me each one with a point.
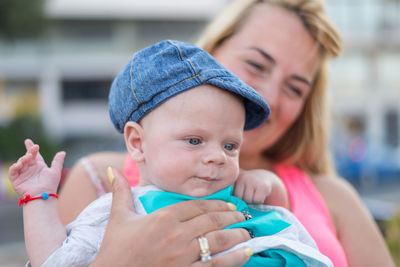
(335, 186)
(97, 163)
(341, 198)
(355, 227)
(100, 161)
(107, 158)
(335, 189)
(85, 181)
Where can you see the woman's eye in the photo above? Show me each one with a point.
(296, 90)
(194, 141)
(255, 65)
(229, 147)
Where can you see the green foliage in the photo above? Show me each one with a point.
(21, 18)
(392, 236)
(12, 138)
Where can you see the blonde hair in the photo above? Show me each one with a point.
(306, 143)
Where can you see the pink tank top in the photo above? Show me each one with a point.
(310, 208)
(307, 205)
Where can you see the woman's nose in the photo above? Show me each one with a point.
(270, 92)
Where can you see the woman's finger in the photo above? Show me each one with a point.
(237, 258)
(190, 209)
(212, 221)
(219, 241)
(225, 239)
(122, 201)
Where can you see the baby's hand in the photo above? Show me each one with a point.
(261, 187)
(30, 174)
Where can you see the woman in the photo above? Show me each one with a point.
(280, 48)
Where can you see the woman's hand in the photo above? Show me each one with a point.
(168, 237)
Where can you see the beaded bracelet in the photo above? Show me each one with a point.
(28, 198)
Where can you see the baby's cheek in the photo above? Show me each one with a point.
(236, 169)
(174, 171)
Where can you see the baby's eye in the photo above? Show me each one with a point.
(194, 141)
(229, 147)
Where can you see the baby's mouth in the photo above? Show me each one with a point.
(208, 179)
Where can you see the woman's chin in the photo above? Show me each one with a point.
(261, 130)
(255, 145)
(255, 139)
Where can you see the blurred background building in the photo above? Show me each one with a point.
(365, 88)
(64, 74)
(55, 71)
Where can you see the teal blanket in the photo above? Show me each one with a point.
(261, 223)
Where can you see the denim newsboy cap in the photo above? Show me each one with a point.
(168, 68)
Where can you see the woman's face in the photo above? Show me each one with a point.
(275, 54)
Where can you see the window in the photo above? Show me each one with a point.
(392, 128)
(86, 90)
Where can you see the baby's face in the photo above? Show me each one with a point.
(191, 142)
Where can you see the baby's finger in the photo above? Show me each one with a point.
(30, 156)
(36, 152)
(25, 159)
(33, 151)
(261, 194)
(58, 161)
(239, 190)
(14, 170)
(28, 143)
(248, 195)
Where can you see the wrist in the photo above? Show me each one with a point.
(35, 191)
(44, 196)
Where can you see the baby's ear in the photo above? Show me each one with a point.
(133, 134)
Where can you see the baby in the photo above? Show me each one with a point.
(183, 116)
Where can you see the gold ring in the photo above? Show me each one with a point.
(205, 252)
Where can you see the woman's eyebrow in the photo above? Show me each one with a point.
(273, 61)
(301, 79)
(264, 54)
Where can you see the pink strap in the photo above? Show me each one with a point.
(96, 180)
(311, 210)
(302, 190)
(131, 171)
